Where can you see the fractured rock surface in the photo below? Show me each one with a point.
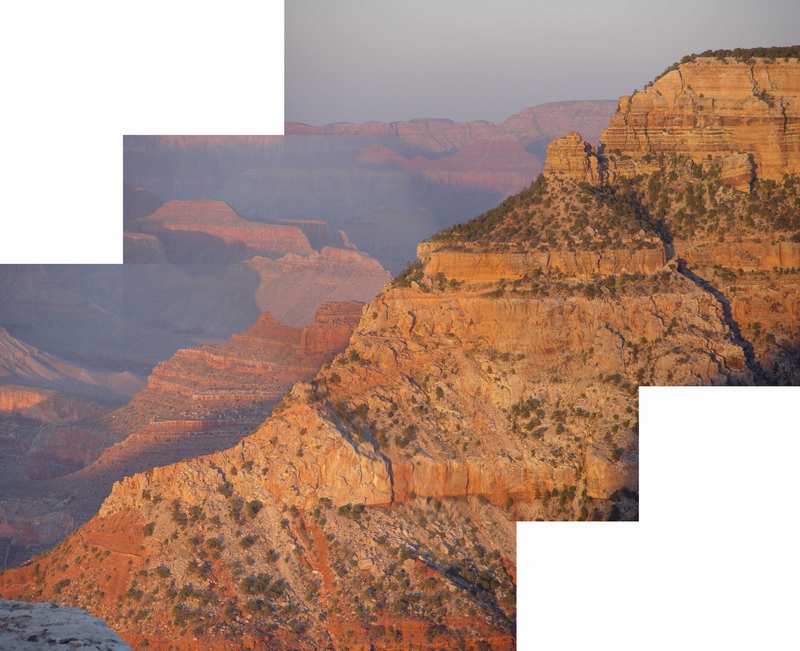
(30, 627)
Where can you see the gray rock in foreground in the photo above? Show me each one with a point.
(31, 626)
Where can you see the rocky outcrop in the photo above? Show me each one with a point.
(712, 109)
(30, 627)
(491, 267)
(137, 203)
(204, 231)
(742, 117)
(573, 157)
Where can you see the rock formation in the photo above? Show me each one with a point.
(31, 627)
(531, 126)
(293, 286)
(573, 157)
(743, 117)
(712, 108)
(198, 401)
(211, 231)
(138, 203)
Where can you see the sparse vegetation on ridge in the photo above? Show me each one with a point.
(741, 55)
(680, 201)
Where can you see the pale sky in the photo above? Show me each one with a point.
(362, 60)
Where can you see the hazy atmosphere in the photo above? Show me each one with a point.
(361, 60)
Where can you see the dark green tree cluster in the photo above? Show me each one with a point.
(744, 55)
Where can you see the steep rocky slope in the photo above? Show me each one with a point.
(198, 401)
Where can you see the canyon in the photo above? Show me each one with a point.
(387, 185)
(199, 401)
(494, 380)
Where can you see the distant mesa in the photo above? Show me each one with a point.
(205, 230)
(530, 126)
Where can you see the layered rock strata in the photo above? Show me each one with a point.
(742, 117)
(711, 107)
(529, 126)
(203, 230)
(199, 401)
(204, 399)
(487, 384)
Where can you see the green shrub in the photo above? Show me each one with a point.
(253, 507)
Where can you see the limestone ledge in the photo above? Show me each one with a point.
(489, 267)
(748, 255)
